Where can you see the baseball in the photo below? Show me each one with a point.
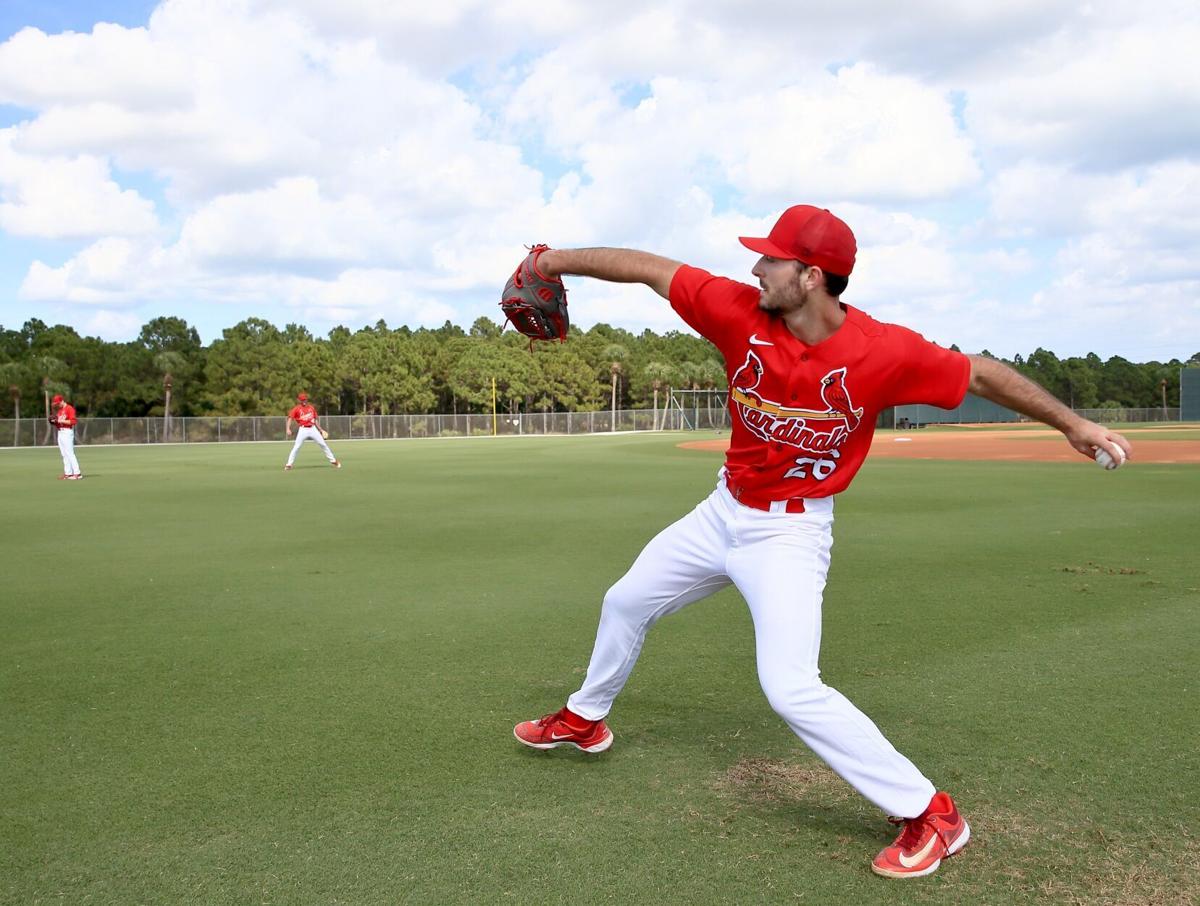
(1107, 462)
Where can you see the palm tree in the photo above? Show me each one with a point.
(691, 374)
(52, 371)
(15, 390)
(13, 373)
(616, 371)
(712, 375)
(660, 375)
(46, 395)
(166, 363)
(615, 353)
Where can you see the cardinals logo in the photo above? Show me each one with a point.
(834, 395)
(813, 430)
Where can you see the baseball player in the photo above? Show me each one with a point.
(64, 421)
(308, 427)
(808, 375)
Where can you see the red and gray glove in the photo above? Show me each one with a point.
(534, 303)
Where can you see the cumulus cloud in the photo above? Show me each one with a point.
(1098, 99)
(365, 159)
(59, 197)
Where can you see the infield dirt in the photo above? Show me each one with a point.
(1024, 444)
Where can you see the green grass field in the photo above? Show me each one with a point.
(223, 683)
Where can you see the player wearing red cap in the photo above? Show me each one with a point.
(808, 376)
(304, 414)
(64, 421)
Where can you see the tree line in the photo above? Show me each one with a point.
(256, 368)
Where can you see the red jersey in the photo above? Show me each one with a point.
(304, 415)
(65, 417)
(803, 416)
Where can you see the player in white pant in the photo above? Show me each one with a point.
(778, 561)
(808, 377)
(304, 415)
(64, 422)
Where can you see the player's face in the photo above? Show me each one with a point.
(783, 284)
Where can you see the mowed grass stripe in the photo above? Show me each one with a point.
(300, 687)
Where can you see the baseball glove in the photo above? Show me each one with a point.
(536, 305)
(324, 433)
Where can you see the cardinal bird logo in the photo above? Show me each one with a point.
(748, 376)
(813, 430)
(833, 392)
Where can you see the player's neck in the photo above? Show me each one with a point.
(816, 321)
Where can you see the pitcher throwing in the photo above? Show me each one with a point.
(808, 375)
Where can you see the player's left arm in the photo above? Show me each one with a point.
(612, 265)
(995, 381)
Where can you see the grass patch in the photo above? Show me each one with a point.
(223, 683)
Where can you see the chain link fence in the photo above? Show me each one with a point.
(1112, 416)
(35, 432)
(974, 411)
(695, 413)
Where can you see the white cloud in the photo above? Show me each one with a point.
(1100, 99)
(111, 64)
(1142, 219)
(286, 223)
(97, 275)
(116, 324)
(65, 197)
(364, 158)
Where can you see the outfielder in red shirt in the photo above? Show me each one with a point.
(808, 375)
(308, 427)
(64, 422)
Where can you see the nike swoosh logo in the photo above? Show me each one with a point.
(755, 341)
(918, 858)
(561, 736)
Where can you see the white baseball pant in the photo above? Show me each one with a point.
(303, 434)
(66, 446)
(779, 562)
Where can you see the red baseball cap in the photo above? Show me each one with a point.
(808, 234)
(303, 397)
(57, 398)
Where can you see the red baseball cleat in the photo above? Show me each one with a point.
(565, 728)
(287, 468)
(336, 464)
(939, 832)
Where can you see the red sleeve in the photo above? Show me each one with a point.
(925, 372)
(293, 415)
(712, 306)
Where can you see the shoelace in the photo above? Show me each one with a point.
(560, 717)
(914, 830)
(555, 717)
(912, 833)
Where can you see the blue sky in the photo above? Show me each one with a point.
(1016, 176)
(53, 17)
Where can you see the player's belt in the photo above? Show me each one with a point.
(758, 502)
